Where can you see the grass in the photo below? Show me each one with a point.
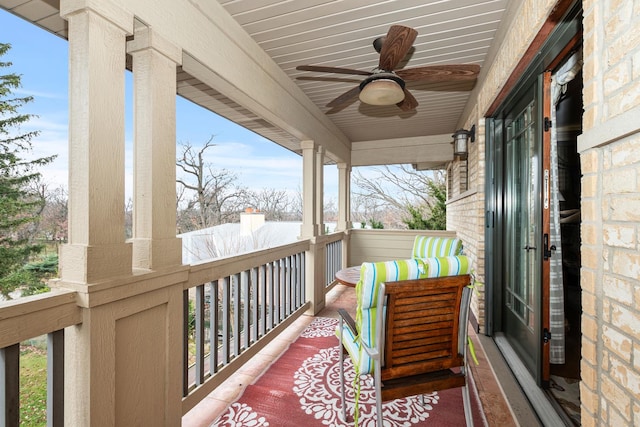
(33, 386)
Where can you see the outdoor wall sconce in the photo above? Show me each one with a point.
(461, 139)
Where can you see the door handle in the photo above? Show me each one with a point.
(528, 248)
(547, 250)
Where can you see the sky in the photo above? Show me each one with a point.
(41, 59)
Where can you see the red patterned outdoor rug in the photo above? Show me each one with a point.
(302, 389)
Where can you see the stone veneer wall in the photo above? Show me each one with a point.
(610, 161)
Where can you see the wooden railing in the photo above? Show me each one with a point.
(383, 245)
(233, 307)
(25, 319)
(231, 304)
(333, 257)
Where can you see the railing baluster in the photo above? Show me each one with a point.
(263, 299)
(284, 272)
(226, 319)
(185, 342)
(10, 387)
(299, 279)
(276, 295)
(271, 300)
(199, 335)
(55, 378)
(283, 290)
(330, 263)
(245, 304)
(235, 297)
(255, 307)
(213, 327)
(294, 282)
(293, 285)
(303, 276)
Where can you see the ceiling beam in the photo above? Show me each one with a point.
(432, 149)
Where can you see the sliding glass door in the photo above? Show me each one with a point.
(520, 227)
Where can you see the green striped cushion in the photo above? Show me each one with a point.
(447, 266)
(371, 276)
(427, 246)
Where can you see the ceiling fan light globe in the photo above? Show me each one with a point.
(382, 92)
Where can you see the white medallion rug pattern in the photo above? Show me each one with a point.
(317, 384)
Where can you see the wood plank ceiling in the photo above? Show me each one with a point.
(339, 33)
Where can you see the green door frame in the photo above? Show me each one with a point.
(564, 32)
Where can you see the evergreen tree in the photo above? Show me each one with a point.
(437, 211)
(20, 205)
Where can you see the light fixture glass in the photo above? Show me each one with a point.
(381, 92)
(461, 139)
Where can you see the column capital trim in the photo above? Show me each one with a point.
(107, 10)
(308, 145)
(147, 38)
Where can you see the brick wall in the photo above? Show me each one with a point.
(610, 161)
(465, 213)
(610, 228)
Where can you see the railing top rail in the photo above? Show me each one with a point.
(435, 233)
(330, 238)
(218, 268)
(32, 316)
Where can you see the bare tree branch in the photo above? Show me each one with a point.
(385, 196)
(211, 196)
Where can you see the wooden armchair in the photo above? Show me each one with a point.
(413, 340)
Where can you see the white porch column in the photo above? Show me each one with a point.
(319, 159)
(311, 212)
(96, 248)
(155, 245)
(309, 188)
(344, 197)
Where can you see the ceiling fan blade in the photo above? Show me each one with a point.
(337, 70)
(408, 103)
(345, 99)
(397, 43)
(329, 79)
(440, 73)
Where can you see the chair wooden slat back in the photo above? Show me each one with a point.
(421, 333)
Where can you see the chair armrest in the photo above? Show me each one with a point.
(346, 319)
(351, 324)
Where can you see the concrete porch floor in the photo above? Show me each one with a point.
(497, 411)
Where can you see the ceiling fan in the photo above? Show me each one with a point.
(385, 85)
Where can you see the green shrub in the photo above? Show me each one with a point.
(33, 386)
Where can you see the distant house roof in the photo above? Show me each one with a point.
(229, 239)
